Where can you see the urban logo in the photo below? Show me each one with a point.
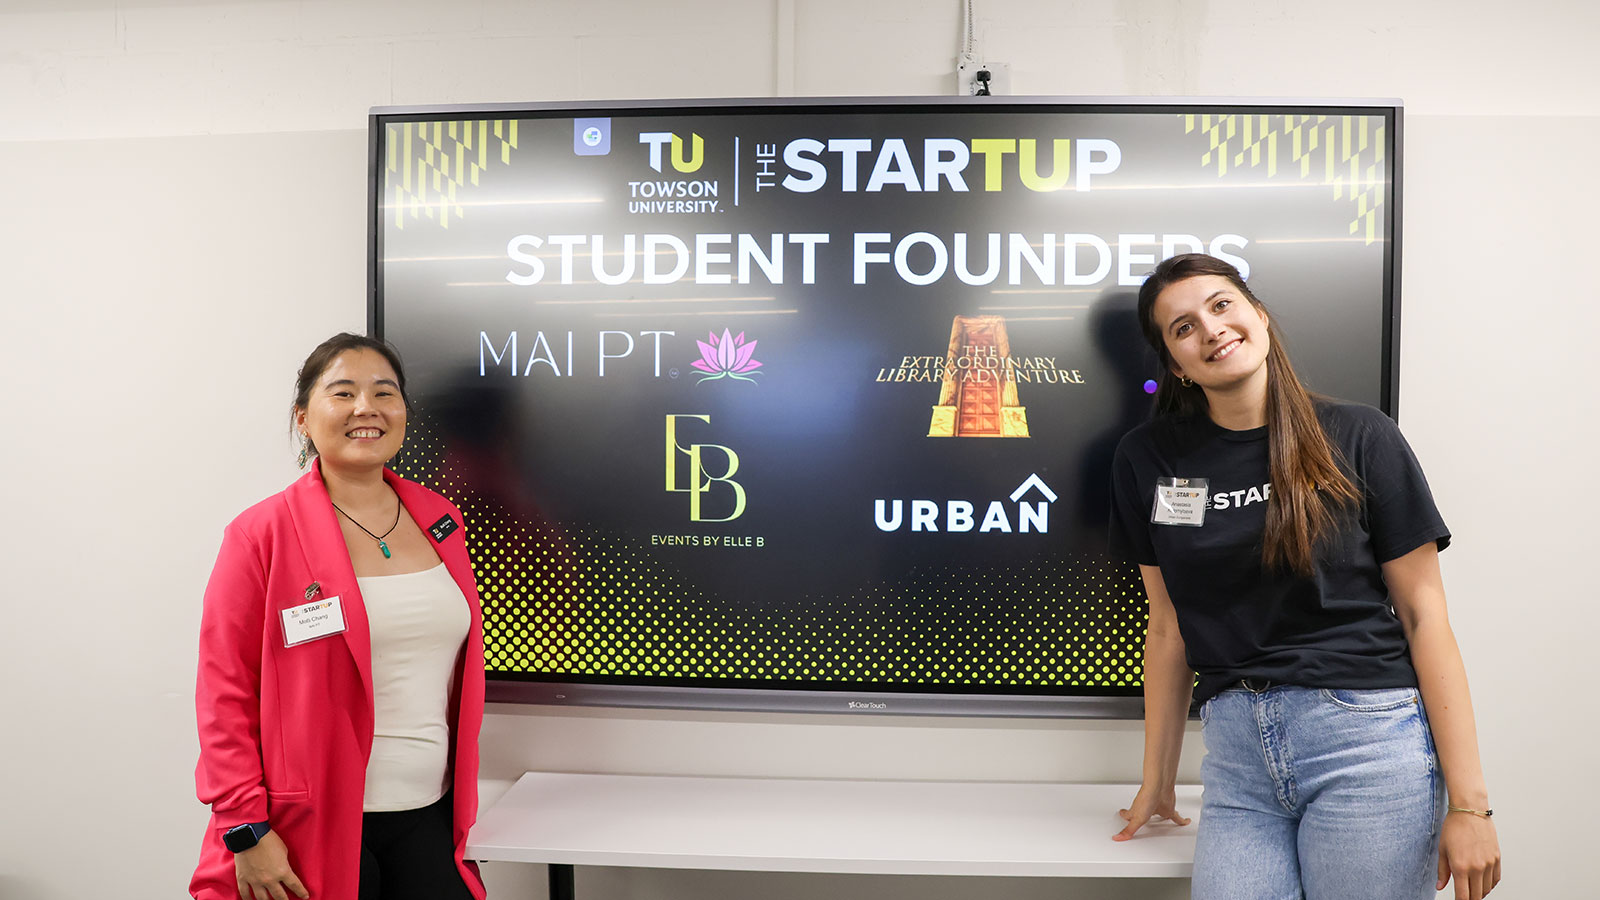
(696, 481)
(726, 356)
(889, 515)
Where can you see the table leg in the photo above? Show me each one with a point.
(561, 887)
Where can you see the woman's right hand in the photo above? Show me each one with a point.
(1149, 804)
(263, 872)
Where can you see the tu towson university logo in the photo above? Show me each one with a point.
(685, 163)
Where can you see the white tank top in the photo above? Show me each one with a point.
(419, 624)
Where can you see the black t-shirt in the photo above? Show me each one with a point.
(1336, 628)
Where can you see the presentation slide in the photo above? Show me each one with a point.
(824, 398)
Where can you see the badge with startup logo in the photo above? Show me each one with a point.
(1181, 501)
(443, 528)
(309, 621)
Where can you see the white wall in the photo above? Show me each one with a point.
(183, 220)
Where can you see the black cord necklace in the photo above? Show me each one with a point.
(377, 537)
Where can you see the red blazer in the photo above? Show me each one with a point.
(285, 732)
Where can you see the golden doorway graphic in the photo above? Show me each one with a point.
(978, 397)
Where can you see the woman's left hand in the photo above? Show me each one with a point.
(1469, 851)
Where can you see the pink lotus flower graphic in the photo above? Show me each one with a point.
(726, 357)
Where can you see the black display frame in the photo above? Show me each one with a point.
(600, 693)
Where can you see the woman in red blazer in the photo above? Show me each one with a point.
(286, 700)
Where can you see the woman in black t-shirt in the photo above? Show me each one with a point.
(1289, 550)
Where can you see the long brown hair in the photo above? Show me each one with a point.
(1308, 487)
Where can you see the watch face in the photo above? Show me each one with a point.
(240, 837)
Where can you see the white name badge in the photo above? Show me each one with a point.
(310, 621)
(1181, 501)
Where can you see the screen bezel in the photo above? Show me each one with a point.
(837, 700)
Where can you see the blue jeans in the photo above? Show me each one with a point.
(1318, 794)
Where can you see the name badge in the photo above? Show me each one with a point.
(310, 621)
(443, 528)
(1181, 501)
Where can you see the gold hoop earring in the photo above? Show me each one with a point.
(305, 449)
(1184, 380)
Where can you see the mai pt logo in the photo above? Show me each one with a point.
(697, 482)
(726, 356)
(655, 140)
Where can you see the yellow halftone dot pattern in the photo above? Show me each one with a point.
(428, 161)
(1345, 153)
(578, 602)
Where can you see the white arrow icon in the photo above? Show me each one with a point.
(1033, 481)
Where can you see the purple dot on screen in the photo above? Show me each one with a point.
(1150, 386)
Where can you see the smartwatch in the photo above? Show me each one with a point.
(243, 837)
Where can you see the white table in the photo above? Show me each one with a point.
(845, 827)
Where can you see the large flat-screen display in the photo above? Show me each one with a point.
(811, 404)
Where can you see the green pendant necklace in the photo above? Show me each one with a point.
(377, 537)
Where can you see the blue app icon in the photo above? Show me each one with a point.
(591, 137)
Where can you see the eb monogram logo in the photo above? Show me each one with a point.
(699, 482)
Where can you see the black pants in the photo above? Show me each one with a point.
(410, 855)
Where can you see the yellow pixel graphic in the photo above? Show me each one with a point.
(584, 602)
(1342, 152)
(428, 161)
